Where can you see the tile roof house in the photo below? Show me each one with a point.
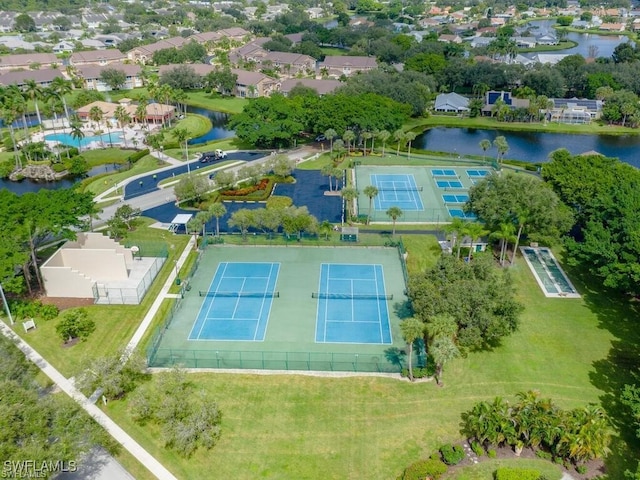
(156, 112)
(98, 57)
(289, 64)
(91, 76)
(323, 87)
(27, 60)
(337, 66)
(451, 102)
(254, 84)
(144, 53)
(43, 77)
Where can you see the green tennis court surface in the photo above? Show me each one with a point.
(424, 194)
(289, 312)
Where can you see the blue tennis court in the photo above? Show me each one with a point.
(396, 191)
(477, 173)
(443, 172)
(352, 305)
(238, 302)
(449, 184)
(459, 213)
(455, 198)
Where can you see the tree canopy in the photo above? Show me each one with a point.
(603, 193)
(479, 297)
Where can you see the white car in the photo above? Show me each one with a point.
(220, 154)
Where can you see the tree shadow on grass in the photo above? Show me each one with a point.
(618, 314)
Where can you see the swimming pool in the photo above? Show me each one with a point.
(548, 273)
(67, 139)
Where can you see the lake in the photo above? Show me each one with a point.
(218, 120)
(528, 146)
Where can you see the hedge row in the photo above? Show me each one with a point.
(138, 155)
(243, 192)
(506, 473)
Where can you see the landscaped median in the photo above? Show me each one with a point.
(168, 182)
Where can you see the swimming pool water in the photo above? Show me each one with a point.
(67, 139)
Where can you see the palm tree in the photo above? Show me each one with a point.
(366, 136)
(338, 174)
(399, 136)
(96, 115)
(484, 145)
(9, 117)
(330, 134)
(165, 92)
(349, 194)
(217, 210)
(475, 230)
(394, 213)
(338, 148)
(141, 112)
(327, 171)
(443, 350)
(180, 97)
(505, 234)
(348, 137)
(383, 135)
(371, 192)
(325, 229)
(62, 88)
(501, 144)
(522, 218)
(15, 97)
(34, 92)
(203, 217)
(455, 230)
(182, 135)
(409, 137)
(412, 329)
(123, 118)
(76, 132)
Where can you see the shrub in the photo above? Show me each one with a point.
(505, 473)
(581, 469)
(491, 453)
(171, 145)
(134, 157)
(477, 449)
(452, 454)
(279, 201)
(544, 455)
(48, 312)
(418, 372)
(22, 309)
(75, 324)
(6, 168)
(423, 469)
(58, 167)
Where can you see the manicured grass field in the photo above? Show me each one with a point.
(197, 125)
(216, 102)
(296, 426)
(97, 185)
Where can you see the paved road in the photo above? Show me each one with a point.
(97, 465)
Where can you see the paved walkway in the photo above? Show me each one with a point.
(122, 437)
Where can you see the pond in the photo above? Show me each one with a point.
(602, 44)
(528, 146)
(218, 120)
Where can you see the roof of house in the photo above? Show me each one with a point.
(288, 58)
(94, 71)
(199, 68)
(110, 54)
(349, 61)
(26, 59)
(43, 75)
(453, 100)
(321, 86)
(250, 78)
(579, 102)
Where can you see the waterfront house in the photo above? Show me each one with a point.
(451, 102)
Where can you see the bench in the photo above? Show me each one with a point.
(29, 324)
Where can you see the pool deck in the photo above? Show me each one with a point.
(559, 293)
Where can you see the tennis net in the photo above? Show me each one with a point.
(351, 296)
(240, 294)
(400, 189)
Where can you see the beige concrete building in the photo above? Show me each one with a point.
(346, 65)
(94, 266)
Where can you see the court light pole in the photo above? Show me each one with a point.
(6, 305)
(186, 150)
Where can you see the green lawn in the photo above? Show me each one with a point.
(115, 324)
(106, 155)
(296, 426)
(216, 102)
(485, 469)
(196, 125)
(99, 184)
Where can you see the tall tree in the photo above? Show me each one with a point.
(443, 350)
(412, 329)
(371, 192)
(217, 210)
(383, 135)
(394, 213)
(484, 145)
(35, 93)
(330, 134)
(349, 194)
(502, 146)
(348, 136)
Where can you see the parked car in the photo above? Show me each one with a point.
(218, 154)
(320, 138)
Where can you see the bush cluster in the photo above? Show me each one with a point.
(452, 454)
(243, 192)
(424, 468)
(36, 309)
(420, 372)
(517, 474)
(133, 158)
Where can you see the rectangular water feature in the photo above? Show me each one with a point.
(548, 273)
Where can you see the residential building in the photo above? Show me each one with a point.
(254, 84)
(337, 66)
(492, 97)
(525, 42)
(450, 38)
(144, 53)
(321, 86)
(451, 102)
(63, 47)
(28, 60)
(157, 113)
(289, 64)
(43, 77)
(575, 110)
(91, 76)
(98, 57)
